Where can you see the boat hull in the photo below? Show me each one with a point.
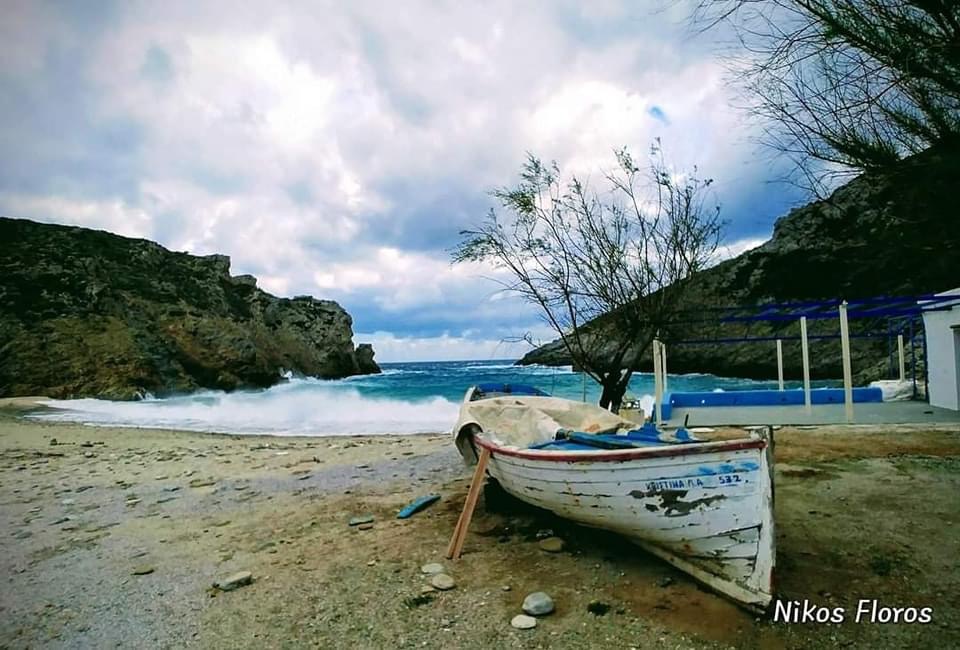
(706, 508)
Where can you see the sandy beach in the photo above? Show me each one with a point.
(114, 537)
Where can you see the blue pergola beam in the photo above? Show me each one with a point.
(878, 307)
(754, 339)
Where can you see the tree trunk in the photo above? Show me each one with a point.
(621, 390)
(614, 387)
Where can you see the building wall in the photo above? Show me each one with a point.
(943, 356)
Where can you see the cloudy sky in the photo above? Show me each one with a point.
(337, 148)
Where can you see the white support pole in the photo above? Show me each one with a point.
(847, 374)
(657, 384)
(805, 348)
(780, 363)
(663, 365)
(903, 359)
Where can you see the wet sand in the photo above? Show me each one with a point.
(113, 537)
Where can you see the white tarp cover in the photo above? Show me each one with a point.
(522, 421)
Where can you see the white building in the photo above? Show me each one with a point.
(943, 354)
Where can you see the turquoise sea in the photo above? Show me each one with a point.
(407, 398)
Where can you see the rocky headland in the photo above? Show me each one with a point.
(882, 234)
(86, 313)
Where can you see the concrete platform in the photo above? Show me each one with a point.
(868, 413)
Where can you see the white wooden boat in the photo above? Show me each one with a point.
(705, 507)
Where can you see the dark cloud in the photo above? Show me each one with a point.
(300, 193)
(752, 210)
(215, 181)
(427, 215)
(59, 139)
(157, 66)
(587, 26)
(89, 18)
(492, 320)
(399, 88)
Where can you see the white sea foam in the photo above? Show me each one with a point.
(384, 372)
(295, 408)
(487, 366)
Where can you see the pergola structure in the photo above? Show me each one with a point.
(902, 314)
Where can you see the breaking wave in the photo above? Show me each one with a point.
(300, 407)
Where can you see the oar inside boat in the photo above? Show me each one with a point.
(646, 436)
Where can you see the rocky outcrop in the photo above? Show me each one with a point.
(894, 234)
(89, 313)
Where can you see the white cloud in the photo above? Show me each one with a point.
(401, 280)
(114, 215)
(390, 347)
(732, 249)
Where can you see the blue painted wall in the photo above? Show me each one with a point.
(764, 398)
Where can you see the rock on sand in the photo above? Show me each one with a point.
(523, 622)
(538, 604)
(362, 519)
(237, 580)
(443, 582)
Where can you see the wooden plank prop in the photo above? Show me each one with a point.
(455, 548)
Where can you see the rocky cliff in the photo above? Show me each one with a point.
(895, 233)
(89, 313)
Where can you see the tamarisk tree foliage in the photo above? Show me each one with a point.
(605, 267)
(845, 86)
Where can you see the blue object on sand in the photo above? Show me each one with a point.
(418, 505)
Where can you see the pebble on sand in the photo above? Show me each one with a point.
(235, 581)
(142, 570)
(443, 582)
(366, 526)
(432, 568)
(523, 622)
(365, 519)
(538, 604)
(551, 544)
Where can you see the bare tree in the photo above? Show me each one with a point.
(845, 86)
(605, 270)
